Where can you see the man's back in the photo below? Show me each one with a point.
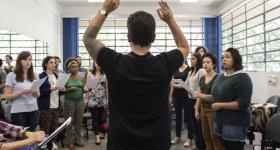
(138, 87)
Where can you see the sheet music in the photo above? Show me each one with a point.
(91, 83)
(185, 86)
(36, 84)
(62, 80)
(82, 74)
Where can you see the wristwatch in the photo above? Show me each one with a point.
(103, 12)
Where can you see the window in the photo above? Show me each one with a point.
(254, 29)
(114, 35)
(12, 44)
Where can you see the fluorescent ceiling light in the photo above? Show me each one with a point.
(188, 1)
(95, 1)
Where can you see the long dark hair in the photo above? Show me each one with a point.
(198, 63)
(19, 70)
(93, 71)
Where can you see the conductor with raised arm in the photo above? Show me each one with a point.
(138, 81)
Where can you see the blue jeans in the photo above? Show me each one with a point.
(231, 132)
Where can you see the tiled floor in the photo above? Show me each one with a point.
(90, 143)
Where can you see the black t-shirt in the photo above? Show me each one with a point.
(178, 92)
(138, 103)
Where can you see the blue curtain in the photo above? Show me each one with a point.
(70, 38)
(213, 37)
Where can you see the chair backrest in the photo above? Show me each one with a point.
(6, 106)
(272, 130)
(275, 99)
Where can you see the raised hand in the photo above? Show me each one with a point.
(111, 5)
(164, 12)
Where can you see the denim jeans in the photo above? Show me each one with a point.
(231, 132)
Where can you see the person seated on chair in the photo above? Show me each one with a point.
(9, 133)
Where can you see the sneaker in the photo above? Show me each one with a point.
(188, 143)
(175, 140)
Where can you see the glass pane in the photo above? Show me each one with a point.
(106, 36)
(161, 42)
(84, 22)
(227, 33)
(256, 58)
(4, 50)
(273, 56)
(107, 30)
(226, 18)
(272, 14)
(255, 39)
(122, 43)
(227, 40)
(196, 29)
(256, 66)
(239, 28)
(5, 31)
(170, 43)
(273, 45)
(162, 36)
(23, 44)
(121, 36)
(4, 37)
(82, 50)
(227, 25)
(242, 51)
(272, 24)
(271, 4)
(273, 35)
(226, 46)
(157, 49)
(123, 49)
(82, 30)
(254, 3)
(240, 43)
(240, 35)
(108, 43)
(255, 21)
(273, 66)
(255, 48)
(4, 43)
(121, 30)
(18, 50)
(255, 30)
(238, 11)
(196, 36)
(239, 19)
(255, 11)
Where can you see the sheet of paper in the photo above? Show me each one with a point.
(91, 83)
(190, 90)
(36, 84)
(62, 79)
(82, 74)
(177, 81)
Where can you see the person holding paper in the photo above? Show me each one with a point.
(24, 111)
(204, 101)
(232, 92)
(138, 81)
(48, 102)
(74, 104)
(97, 101)
(179, 97)
(193, 83)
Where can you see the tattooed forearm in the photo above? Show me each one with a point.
(92, 45)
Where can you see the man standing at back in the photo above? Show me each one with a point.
(138, 82)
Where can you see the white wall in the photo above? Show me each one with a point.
(39, 19)
(261, 89)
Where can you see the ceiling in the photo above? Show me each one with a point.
(141, 2)
(201, 8)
